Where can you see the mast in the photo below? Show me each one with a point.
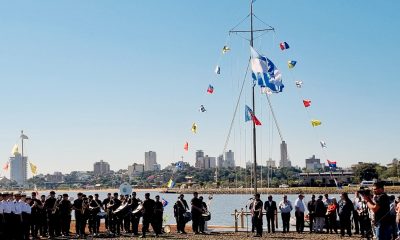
(254, 107)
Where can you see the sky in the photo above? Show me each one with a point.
(109, 80)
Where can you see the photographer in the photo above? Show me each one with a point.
(381, 210)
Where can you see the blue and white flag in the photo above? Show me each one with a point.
(179, 165)
(265, 73)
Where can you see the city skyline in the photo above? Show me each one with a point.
(100, 80)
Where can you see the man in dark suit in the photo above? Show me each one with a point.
(270, 212)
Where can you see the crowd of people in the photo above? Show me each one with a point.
(34, 217)
(373, 214)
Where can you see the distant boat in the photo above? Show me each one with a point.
(283, 186)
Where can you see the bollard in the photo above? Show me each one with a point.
(242, 218)
(236, 223)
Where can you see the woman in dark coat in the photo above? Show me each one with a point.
(345, 209)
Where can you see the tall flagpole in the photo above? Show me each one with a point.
(254, 107)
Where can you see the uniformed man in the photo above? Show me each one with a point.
(148, 213)
(65, 208)
(50, 206)
(16, 211)
(79, 216)
(197, 211)
(7, 215)
(105, 204)
(36, 209)
(135, 218)
(43, 217)
(127, 216)
(96, 206)
(116, 223)
(202, 221)
(158, 216)
(26, 215)
(256, 212)
(180, 208)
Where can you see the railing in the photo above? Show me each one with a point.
(241, 215)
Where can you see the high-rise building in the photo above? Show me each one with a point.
(220, 161)
(150, 161)
(18, 168)
(229, 159)
(135, 169)
(284, 156)
(313, 163)
(199, 161)
(209, 162)
(101, 167)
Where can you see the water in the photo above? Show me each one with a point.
(221, 206)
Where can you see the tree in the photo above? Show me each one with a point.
(366, 171)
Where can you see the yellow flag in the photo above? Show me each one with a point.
(14, 149)
(194, 128)
(225, 49)
(315, 123)
(33, 168)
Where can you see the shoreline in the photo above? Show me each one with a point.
(244, 191)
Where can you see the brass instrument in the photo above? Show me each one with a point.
(55, 206)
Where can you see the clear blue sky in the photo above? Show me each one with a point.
(91, 80)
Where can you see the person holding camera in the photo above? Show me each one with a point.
(381, 209)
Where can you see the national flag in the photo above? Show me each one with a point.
(6, 165)
(186, 146)
(194, 128)
(299, 84)
(14, 149)
(164, 202)
(331, 164)
(323, 144)
(217, 70)
(265, 72)
(249, 115)
(291, 63)
(33, 168)
(210, 89)
(202, 108)
(225, 49)
(284, 45)
(307, 103)
(170, 184)
(315, 123)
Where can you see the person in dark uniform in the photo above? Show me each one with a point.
(2, 217)
(36, 207)
(148, 213)
(202, 221)
(43, 218)
(196, 210)
(57, 223)
(345, 210)
(256, 213)
(270, 212)
(96, 206)
(116, 223)
(79, 215)
(311, 212)
(105, 204)
(86, 213)
(158, 215)
(127, 216)
(180, 208)
(50, 206)
(135, 218)
(65, 207)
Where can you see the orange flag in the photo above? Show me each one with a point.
(5, 167)
(186, 146)
(307, 103)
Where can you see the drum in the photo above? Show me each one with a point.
(122, 211)
(206, 216)
(187, 216)
(101, 215)
(138, 210)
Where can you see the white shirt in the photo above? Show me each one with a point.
(17, 209)
(7, 206)
(285, 207)
(26, 208)
(1, 207)
(300, 205)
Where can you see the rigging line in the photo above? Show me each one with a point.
(273, 29)
(273, 115)
(244, 19)
(236, 108)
